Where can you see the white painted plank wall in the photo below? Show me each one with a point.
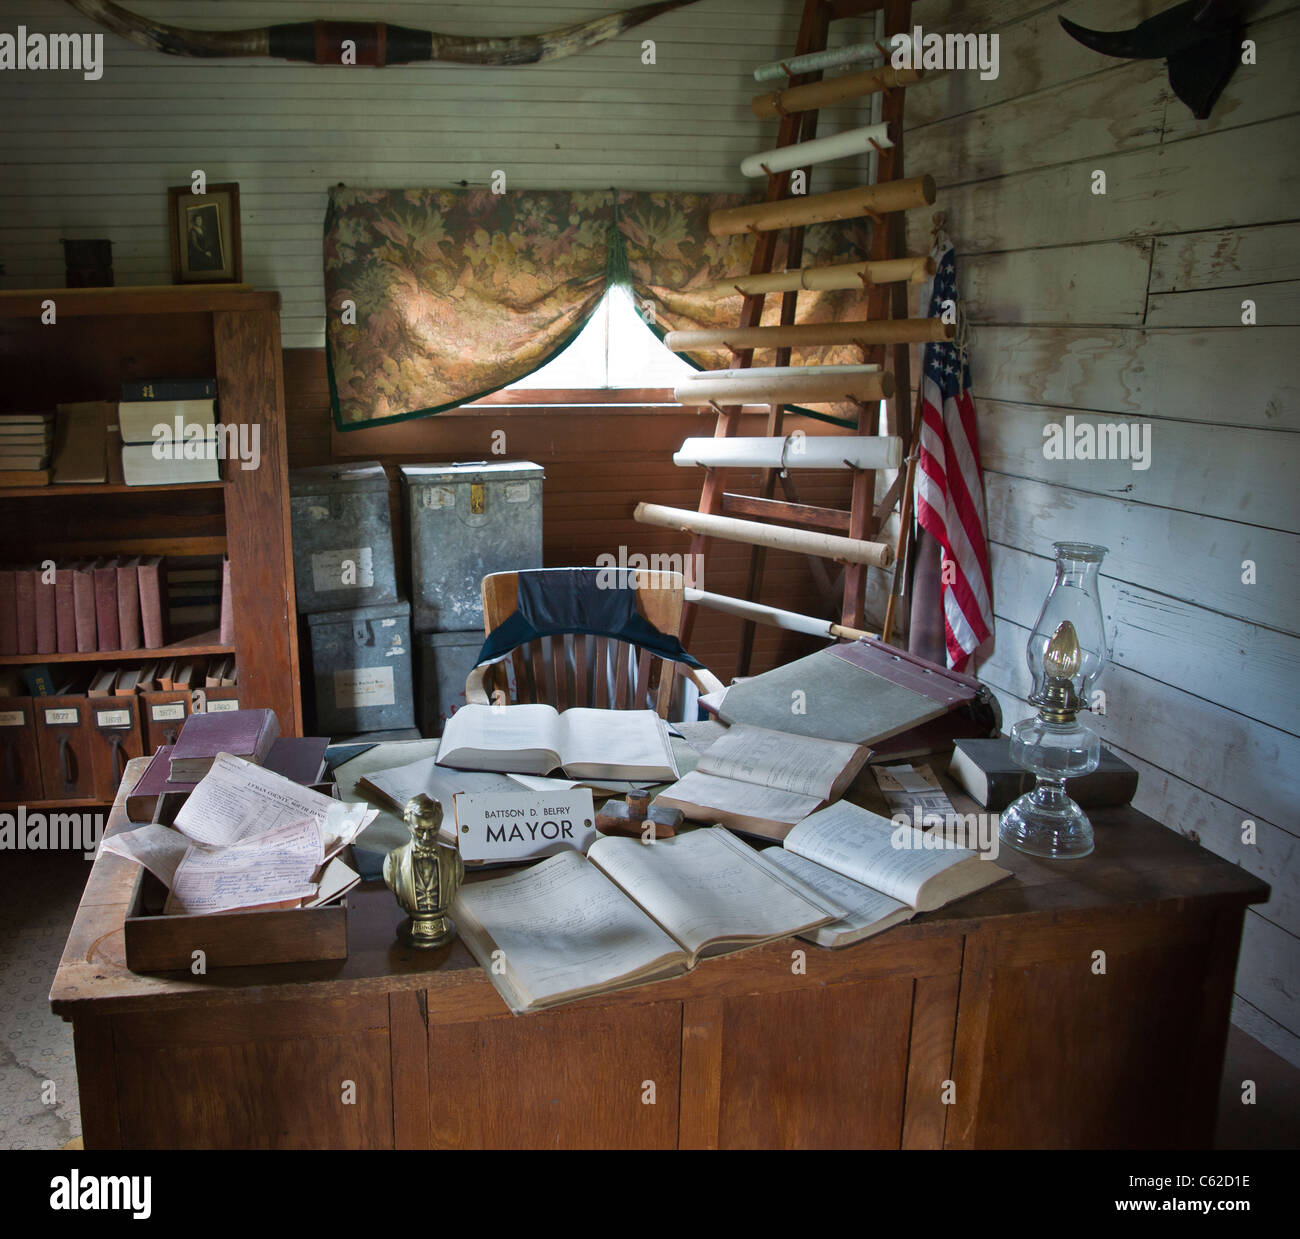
(1127, 307)
(91, 159)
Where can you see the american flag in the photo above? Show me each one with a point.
(949, 485)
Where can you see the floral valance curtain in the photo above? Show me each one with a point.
(436, 297)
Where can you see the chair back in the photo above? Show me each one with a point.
(580, 669)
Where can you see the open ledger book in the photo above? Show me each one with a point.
(627, 913)
(879, 872)
(536, 739)
(762, 782)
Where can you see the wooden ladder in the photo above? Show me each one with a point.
(887, 299)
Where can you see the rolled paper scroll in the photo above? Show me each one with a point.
(793, 452)
(912, 191)
(831, 58)
(775, 537)
(841, 275)
(775, 617)
(790, 388)
(814, 335)
(833, 91)
(781, 372)
(818, 150)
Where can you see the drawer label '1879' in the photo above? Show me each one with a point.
(167, 711)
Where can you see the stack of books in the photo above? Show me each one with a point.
(168, 430)
(26, 440)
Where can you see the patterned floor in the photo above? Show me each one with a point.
(39, 1108)
(39, 891)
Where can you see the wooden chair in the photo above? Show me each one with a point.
(584, 670)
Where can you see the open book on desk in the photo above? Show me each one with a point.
(536, 739)
(762, 782)
(879, 872)
(628, 913)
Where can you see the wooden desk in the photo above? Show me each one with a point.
(998, 994)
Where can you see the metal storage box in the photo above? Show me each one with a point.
(342, 537)
(361, 663)
(464, 521)
(444, 660)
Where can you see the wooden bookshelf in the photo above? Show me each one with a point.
(186, 647)
(54, 490)
(102, 337)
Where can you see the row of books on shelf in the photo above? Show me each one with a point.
(112, 603)
(69, 737)
(159, 433)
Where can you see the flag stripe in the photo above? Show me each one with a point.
(949, 493)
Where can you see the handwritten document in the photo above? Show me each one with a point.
(273, 868)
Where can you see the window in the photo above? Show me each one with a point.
(616, 350)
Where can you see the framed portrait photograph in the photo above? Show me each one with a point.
(205, 235)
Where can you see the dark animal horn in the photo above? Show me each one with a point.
(1166, 34)
(1201, 40)
(375, 42)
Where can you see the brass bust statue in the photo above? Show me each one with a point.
(425, 874)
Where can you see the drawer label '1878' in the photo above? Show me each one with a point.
(112, 718)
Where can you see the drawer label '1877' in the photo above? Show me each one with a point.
(54, 717)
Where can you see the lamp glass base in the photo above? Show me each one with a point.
(1046, 822)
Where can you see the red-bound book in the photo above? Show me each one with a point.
(83, 606)
(105, 572)
(25, 609)
(47, 640)
(128, 603)
(65, 612)
(227, 636)
(242, 733)
(8, 613)
(151, 601)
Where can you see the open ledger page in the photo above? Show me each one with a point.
(707, 887)
(523, 737)
(863, 906)
(733, 799)
(629, 740)
(860, 845)
(801, 764)
(564, 928)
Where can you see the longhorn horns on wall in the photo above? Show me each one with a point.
(1200, 39)
(376, 43)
